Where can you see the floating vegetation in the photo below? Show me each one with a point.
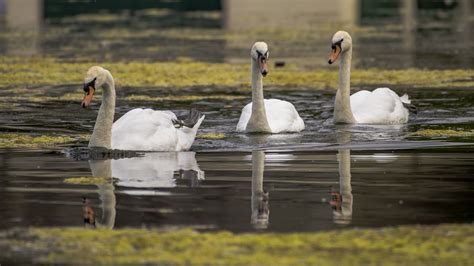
(88, 180)
(442, 133)
(13, 140)
(187, 73)
(211, 136)
(184, 98)
(406, 245)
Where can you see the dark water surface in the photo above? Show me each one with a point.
(302, 191)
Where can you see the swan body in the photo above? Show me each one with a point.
(281, 116)
(150, 130)
(381, 106)
(262, 115)
(138, 129)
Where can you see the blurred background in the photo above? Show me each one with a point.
(432, 34)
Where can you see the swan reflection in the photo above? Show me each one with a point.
(260, 210)
(102, 169)
(342, 200)
(154, 170)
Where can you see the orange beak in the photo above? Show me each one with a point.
(334, 54)
(263, 66)
(86, 102)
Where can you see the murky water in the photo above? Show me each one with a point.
(278, 191)
(323, 178)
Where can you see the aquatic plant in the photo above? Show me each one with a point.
(88, 180)
(49, 71)
(405, 245)
(442, 133)
(211, 136)
(14, 140)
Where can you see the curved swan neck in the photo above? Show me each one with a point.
(342, 105)
(258, 120)
(102, 134)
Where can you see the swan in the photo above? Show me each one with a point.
(262, 115)
(381, 106)
(139, 129)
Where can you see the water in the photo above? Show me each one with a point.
(326, 177)
(214, 190)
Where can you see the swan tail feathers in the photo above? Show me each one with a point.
(193, 120)
(405, 99)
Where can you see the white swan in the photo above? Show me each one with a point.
(266, 116)
(381, 106)
(138, 129)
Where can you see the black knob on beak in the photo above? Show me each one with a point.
(330, 62)
(264, 72)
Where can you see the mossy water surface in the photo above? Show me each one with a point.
(14, 140)
(188, 73)
(406, 245)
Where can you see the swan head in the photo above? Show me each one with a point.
(341, 43)
(96, 77)
(260, 54)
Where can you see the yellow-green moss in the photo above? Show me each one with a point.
(211, 136)
(12, 140)
(17, 71)
(184, 98)
(88, 180)
(433, 133)
(406, 245)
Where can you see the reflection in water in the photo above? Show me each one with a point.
(154, 170)
(342, 200)
(103, 169)
(260, 210)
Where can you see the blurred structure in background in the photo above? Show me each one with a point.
(407, 33)
(249, 14)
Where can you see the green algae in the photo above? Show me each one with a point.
(188, 73)
(211, 136)
(405, 245)
(184, 98)
(13, 140)
(442, 133)
(88, 180)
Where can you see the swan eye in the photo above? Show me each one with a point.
(259, 53)
(338, 43)
(89, 84)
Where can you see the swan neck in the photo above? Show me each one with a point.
(102, 134)
(342, 106)
(258, 119)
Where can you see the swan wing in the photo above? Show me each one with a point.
(281, 116)
(381, 106)
(244, 118)
(150, 130)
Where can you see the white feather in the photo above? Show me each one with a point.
(150, 130)
(381, 106)
(281, 116)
